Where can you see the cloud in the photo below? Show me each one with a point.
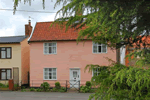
(15, 24)
(7, 31)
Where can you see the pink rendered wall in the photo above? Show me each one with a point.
(25, 58)
(69, 55)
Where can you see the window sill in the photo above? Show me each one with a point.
(99, 53)
(5, 58)
(4, 80)
(51, 54)
(49, 79)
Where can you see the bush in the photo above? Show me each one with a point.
(23, 90)
(32, 89)
(38, 90)
(16, 85)
(57, 85)
(88, 83)
(63, 89)
(85, 89)
(54, 90)
(45, 86)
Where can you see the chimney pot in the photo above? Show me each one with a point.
(29, 22)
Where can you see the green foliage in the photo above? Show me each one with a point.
(85, 89)
(57, 85)
(4, 85)
(23, 90)
(88, 83)
(23, 87)
(32, 89)
(54, 89)
(45, 86)
(1, 84)
(63, 89)
(123, 83)
(38, 90)
(144, 56)
(16, 85)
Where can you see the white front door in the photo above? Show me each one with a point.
(74, 78)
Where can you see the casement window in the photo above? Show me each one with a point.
(99, 48)
(5, 53)
(50, 73)
(5, 74)
(96, 71)
(50, 48)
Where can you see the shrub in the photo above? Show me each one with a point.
(32, 89)
(38, 90)
(85, 89)
(23, 90)
(1, 84)
(57, 85)
(7, 85)
(45, 86)
(63, 89)
(23, 87)
(16, 85)
(54, 90)
(88, 83)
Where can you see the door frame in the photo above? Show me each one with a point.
(75, 69)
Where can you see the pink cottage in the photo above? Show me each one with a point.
(56, 56)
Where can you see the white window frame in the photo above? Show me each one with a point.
(44, 73)
(49, 46)
(93, 73)
(97, 48)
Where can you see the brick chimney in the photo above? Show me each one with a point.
(28, 29)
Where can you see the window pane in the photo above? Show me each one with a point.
(46, 69)
(3, 70)
(45, 50)
(54, 44)
(103, 48)
(3, 75)
(54, 73)
(46, 77)
(45, 44)
(95, 49)
(8, 52)
(53, 49)
(2, 48)
(46, 73)
(3, 54)
(74, 74)
(54, 69)
(94, 44)
(50, 75)
(99, 49)
(50, 44)
(54, 77)
(8, 74)
(50, 70)
(50, 50)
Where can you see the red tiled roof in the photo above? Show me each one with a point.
(43, 32)
(145, 40)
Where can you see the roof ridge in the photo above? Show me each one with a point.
(46, 22)
(14, 36)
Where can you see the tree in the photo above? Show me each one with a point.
(115, 23)
(112, 22)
